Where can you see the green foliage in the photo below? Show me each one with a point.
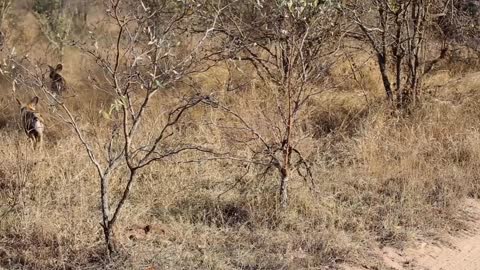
(472, 8)
(47, 7)
(115, 107)
(56, 23)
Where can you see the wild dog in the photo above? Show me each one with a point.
(32, 121)
(58, 84)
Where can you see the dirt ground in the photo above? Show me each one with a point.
(460, 251)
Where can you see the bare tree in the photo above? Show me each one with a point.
(151, 52)
(458, 22)
(290, 45)
(396, 33)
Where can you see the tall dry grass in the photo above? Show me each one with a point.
(380, 179)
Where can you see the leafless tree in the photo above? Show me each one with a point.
(458, 22)
(151, 52)
(396, 33)
(290, 45)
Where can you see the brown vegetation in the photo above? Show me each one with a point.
(378, 177)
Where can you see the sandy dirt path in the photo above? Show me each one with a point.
(459, 252)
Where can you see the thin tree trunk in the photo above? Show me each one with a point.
(284, 177)
(382, 52)
(126, 191)
(284, 171)
(420, 18)
(398, 66)
(398, 52)
(85, 11)
(383, 71)
(105, 214)
(415, 16)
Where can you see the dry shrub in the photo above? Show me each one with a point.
(335, 115)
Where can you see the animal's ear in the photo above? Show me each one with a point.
(33, 102)
(50, 68)
(59, 68)
(18, 101)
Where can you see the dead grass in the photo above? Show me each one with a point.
(379, 180)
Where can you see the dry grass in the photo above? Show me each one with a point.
(379, 180)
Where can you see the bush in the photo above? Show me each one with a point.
(47, 7)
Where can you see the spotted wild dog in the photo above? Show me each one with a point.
(32, 121)
(58, 84)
